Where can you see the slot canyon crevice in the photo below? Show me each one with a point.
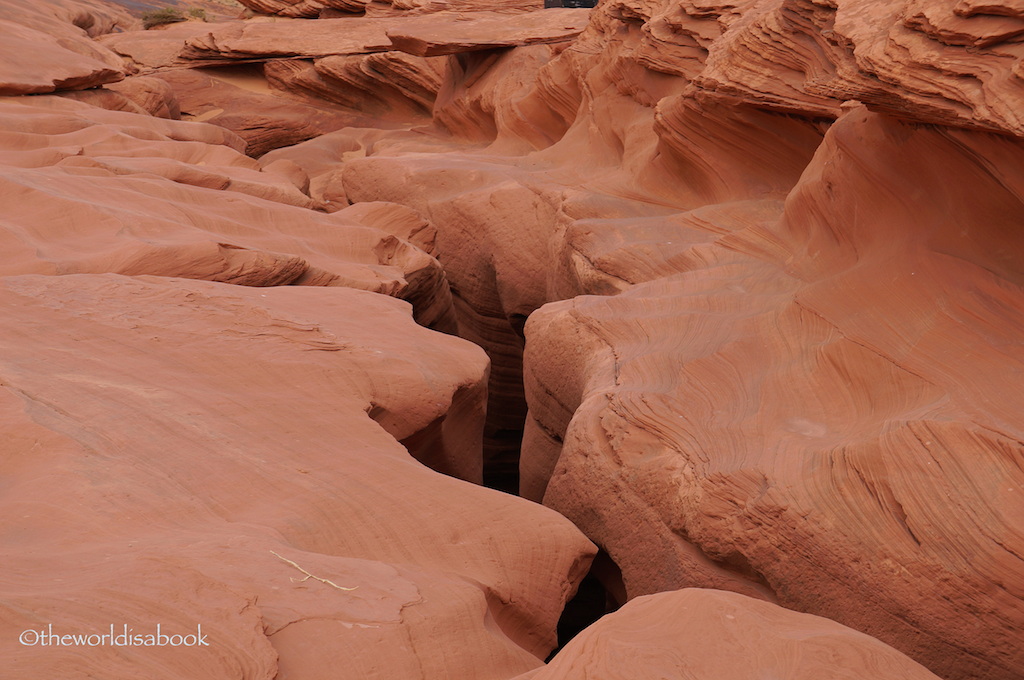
(477, 340)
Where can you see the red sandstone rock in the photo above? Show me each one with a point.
(304, 8)
(46, 45)
(190, 453)
(798, 391)
(492, 96)
(244, 104)
(444, 34)
(335, 8)
(230, 42)
(748, 505)
(32, 61)
(153, 95)
(913, 59)
(261, 39)
(155, 49)
(102, 182)
(71, 19)
(386, 87)
(395, 219)
(715, 635)
(103, 98)
(794, 418)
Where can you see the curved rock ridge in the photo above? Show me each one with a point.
(309, 9)
(813, 413)
(195, 454)
(768, 404)
(242, 101)
(716, 635)
(330, 8)
(261, 39)
(35, 62)
(47, 45)
(438, 34)
(150, 95)
(150, 50)
(102, 182)
(384, 87)
(70, 18)
(929, 61)
(197, 44)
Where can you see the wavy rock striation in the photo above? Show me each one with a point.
(101, 183)
(782, 412)
(312, 9)
(238, 430)
(770, 402)
(763, 258)
(384, 87)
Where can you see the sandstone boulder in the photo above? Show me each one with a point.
(716, 635)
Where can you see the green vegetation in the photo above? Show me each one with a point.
(197, 13)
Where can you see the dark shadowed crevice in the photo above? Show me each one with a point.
(600, 592)
(501, 460)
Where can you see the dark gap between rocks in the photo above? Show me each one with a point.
(600, 592)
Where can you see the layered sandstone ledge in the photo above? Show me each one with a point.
(753, 268)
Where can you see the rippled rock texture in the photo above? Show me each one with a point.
(333, 8)
(753, 268)
(798, 389)
(220, 415)
(814, 414)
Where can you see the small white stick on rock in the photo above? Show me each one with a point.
(308, 575)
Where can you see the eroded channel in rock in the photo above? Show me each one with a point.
(753, 271)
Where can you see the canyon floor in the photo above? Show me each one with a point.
(472, 340)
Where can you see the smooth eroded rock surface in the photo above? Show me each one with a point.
(189, 453)
(812, 414)
(47, 45)
(242, 101)
(90, 192)
(444, 34)
(761, 261)
(716, 635)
